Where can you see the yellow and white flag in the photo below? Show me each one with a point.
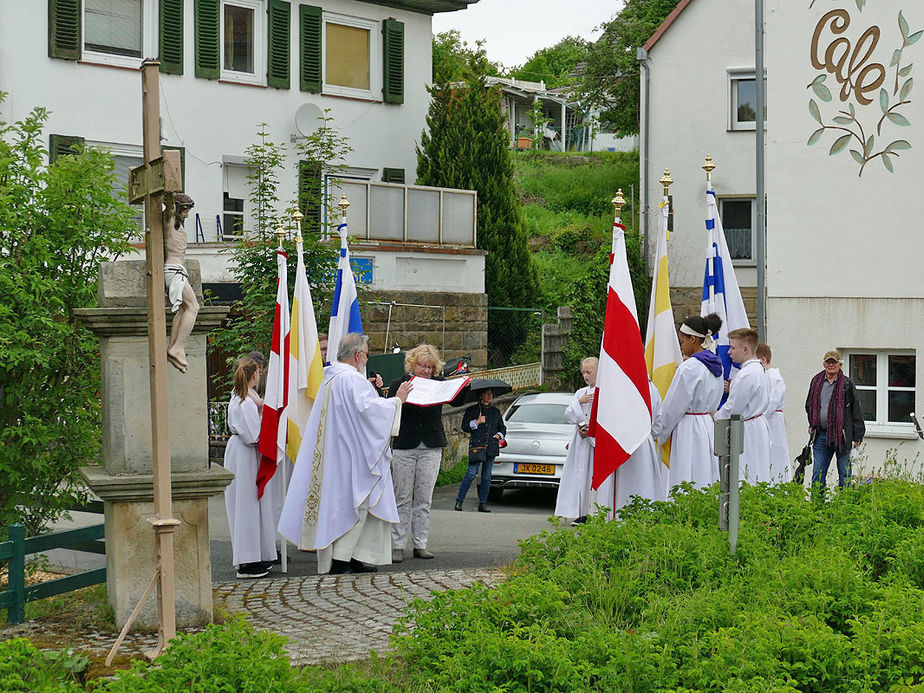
(662, 350)
(305, 368)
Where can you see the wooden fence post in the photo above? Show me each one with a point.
(16, 613)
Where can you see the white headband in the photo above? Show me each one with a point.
(708, 342)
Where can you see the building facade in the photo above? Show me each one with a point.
(841, 173)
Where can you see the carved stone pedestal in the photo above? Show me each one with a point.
(125, 481)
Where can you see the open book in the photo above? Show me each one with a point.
(427, 392)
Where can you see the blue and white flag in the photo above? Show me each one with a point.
(344, 317)
(721, 294)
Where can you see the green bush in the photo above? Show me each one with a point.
(819, 597)
(25, 668)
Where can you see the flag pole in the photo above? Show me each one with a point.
(283, 548)
(666, 181)
(709, 167)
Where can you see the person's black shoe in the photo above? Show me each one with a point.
(340, 567)
(277, 560)
(458, 505)
(483, 508)
(360, 567)
(579, 521)
(251, 571)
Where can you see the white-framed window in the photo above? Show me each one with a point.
(738, 214)
(742, 99)
(352, 57)
(237, 216)
(124, 157)
(886, 388)
(118, 32)
(243, 46)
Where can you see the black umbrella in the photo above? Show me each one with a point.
(476, 387)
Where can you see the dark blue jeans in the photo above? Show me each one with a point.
(470, 475)
(822, 455)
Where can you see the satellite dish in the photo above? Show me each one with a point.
(306, 119)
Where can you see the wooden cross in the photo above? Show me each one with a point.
(157, 178)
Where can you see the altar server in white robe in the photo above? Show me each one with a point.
(780, 470)
(642, 474)
(574, 494)
(341, 500)
(686, 414)
(749, 396)
(252, 535)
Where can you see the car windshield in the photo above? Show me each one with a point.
(538, 413)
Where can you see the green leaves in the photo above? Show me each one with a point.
(839, 144)
(884, 100)
(898, 119)
(813, 110)
(906, 90)
(821, 91)
(815, 136)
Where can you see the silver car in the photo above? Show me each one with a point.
(537, 440)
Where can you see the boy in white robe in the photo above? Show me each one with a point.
(749, 396)
(341, 500)
(574, 494)
(780, 471)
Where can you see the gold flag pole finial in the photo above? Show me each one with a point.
(666, 181)
(280, 233)
(297, 217)
(343, 204)
(708, 167)
(619, 202)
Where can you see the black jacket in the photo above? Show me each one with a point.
(484, 434)
(854, 425)
(420, 424)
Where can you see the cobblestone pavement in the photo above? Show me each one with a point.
(339, 617)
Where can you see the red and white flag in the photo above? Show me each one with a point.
(620, 418)
(272, 444)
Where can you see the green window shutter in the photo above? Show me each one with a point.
(182, 151)
(393, 88)
(393, 175)
(309, 30)
(208, 43)
(277, 71)
(64, 29)
(171, 37)
(310, 194)
(62, 145)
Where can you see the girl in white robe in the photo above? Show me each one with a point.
(686, 414)
(252, 531)
(574, 495)
(642, 474)
(780, 471)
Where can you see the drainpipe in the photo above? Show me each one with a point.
(761, 254)
(641, 56)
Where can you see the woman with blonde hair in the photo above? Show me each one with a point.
(253, 533)
(418, 450)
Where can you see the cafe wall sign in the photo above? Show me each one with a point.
(856, 98)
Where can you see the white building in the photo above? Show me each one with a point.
(842, 180)
(226, 67)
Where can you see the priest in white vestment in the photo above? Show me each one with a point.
(341, 500)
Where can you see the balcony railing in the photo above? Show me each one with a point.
(410, 213)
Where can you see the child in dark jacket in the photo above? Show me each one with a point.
(486, 426)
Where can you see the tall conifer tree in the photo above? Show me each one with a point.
(465, 146)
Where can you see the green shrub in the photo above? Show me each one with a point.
(25, 668)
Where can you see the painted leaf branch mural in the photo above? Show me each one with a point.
(857, 81)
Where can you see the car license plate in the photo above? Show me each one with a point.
(534, 468)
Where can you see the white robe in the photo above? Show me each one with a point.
(253, 533)
(686, 419)
(574, 495)
(749, 396)
(643, 473)
(341, 486)
(780, 471)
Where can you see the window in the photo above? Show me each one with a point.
(350, 50)
(236, 218)
(742, 90)
(117, 32)
(885, 383)
(232, 221)
(738, 221)
(242, 41)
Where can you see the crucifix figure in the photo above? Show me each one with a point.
(176, 281)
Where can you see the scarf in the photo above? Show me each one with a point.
(709, 360)
(835, 407)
